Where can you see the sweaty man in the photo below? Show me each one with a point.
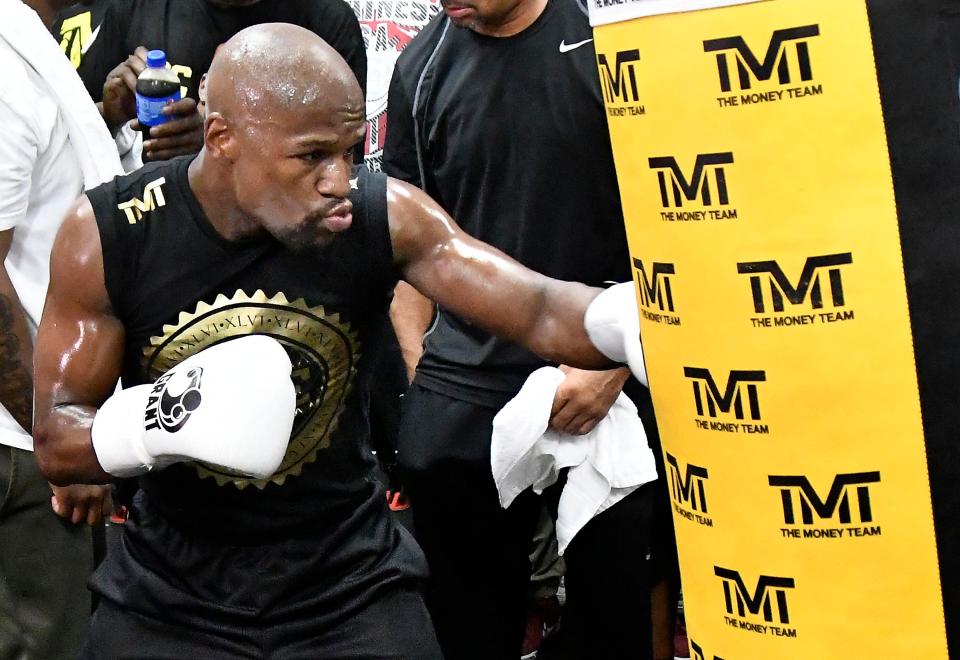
(268, 231)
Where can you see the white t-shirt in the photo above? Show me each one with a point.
(40, 178)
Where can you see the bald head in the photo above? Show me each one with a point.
(268, 69)
(285, 116)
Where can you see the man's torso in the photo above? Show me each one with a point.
(179, 287)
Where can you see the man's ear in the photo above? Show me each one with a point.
(219, 137)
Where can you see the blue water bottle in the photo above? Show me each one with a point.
(156, 86)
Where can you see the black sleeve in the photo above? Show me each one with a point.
(400, 149)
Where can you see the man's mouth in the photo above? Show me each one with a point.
(339, 218)
(457, 11)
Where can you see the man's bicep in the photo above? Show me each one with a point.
(79, 347)
(458, 272)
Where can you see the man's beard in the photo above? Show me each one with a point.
(307, 236)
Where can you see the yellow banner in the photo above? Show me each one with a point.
(753, 165)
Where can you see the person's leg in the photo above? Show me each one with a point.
(122, 634)
(608, 580)
(395, 626)
(665, 573)
(44, 561)
(543, 606)
(478, 552)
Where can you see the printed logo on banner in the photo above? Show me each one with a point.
(703, 195)
(761, 610)
(734, 408)
(787, 55)
(656, 292)
(688, 490)
(696, 652)
(817, 296)
(618, 78)
(847, 505)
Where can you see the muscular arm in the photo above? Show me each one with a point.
(78, 353)
(16, 349)
(410, 314)
(485, 286)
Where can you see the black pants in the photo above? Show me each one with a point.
(44, 565)
(478, 552)
(394, 627)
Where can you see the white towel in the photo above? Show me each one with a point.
(22, 29)
(606, 464)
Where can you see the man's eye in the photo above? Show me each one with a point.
(311, 156)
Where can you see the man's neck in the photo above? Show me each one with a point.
(44, 9)
(211, 190)
(518, 19)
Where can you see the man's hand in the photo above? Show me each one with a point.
(82, 503)
(177, 137)
(119, 103)
(584, 397)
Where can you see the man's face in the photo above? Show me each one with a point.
(294, 170)
(479, 15)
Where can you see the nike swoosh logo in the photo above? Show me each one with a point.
(566, 48)
(93, 36)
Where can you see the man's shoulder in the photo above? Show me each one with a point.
(131, 195)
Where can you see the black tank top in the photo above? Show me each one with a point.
(179, 287)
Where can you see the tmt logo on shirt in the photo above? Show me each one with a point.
(152, 199)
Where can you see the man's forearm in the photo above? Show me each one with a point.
(410, 314)
(16, 356)
(64, 448)
(559, 334)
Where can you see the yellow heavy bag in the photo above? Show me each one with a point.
(790, 173)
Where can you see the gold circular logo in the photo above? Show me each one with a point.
(323, 350)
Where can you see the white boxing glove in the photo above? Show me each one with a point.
(612, 322)
(232, 405)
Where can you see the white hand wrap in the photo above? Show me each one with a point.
(612, 322)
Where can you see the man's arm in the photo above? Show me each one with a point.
(410, 314)
(487, 287)
(16, 348)
(78, 355)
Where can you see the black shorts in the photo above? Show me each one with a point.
(395, 626)
(349, 589)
